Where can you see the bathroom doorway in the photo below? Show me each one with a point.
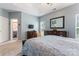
(14, 29)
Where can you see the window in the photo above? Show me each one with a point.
(77, 26)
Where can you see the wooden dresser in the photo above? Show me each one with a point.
(31, 34)
(54, 32)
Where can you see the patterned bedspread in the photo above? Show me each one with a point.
(51, 46)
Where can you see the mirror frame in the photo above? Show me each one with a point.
(63, 23)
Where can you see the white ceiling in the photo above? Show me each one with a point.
(36, 9)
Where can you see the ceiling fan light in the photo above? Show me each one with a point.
(50, 4)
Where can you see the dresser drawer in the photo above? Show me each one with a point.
(31, 34)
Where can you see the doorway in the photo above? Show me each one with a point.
(14, 29)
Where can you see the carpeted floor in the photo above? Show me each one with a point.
(11, 48)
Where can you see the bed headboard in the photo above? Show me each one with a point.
(58, 33)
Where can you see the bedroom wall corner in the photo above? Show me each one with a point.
(69, 13)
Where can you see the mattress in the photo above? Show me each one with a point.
(51, 46)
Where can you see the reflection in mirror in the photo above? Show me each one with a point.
(57, 22)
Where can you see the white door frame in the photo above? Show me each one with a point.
(11, 30)
(76, 25)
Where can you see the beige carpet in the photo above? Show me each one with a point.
(11, 48)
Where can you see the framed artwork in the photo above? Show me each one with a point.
(30, 26)
(57, 22)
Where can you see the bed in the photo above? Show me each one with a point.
(51, 45)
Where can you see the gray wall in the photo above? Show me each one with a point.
(4, 21)
(69, 14)
(25, 21)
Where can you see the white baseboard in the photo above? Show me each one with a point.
(6, 42)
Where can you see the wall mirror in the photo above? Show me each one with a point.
(57, 22)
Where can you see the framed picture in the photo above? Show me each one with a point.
(30, 26)
(57, 23)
